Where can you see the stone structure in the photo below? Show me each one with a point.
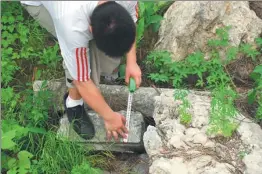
(174, 148)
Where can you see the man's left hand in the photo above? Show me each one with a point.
(133, 70)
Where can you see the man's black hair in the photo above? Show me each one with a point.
(113, 29)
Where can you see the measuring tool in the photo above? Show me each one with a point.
(131, 88)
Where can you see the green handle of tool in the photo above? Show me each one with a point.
(132, 85)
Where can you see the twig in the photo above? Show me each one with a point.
(157, 90)
(230, 78)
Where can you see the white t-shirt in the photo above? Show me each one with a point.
(72, 20)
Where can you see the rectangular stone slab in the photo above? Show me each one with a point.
(115, 95)
(99, 142)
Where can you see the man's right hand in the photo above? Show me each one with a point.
(115, 124)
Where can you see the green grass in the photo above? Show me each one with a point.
(62, 156)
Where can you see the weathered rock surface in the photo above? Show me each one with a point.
(257, 7)
(188, 25)
(174, 148)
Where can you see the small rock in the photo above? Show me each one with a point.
(177, 142)
(152, 141)
(222, 151)
(168, 166)
(191, 132)
(218, 169)
(250, 133)
(210, 144)
(200, 139)
(253, 162)
(199, 121)
(199, 164)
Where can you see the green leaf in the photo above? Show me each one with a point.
(257, 73)
(15, 56)
(12, 171)
(259, 41)
(195, 59)
(24, 159)
(5, 34)
(11, 19)
(38, 74)
(4, 19)
(11, 28)
(11, 163)
(141, 8)
(231, 53)
(156, 27)
(258, 69)
(177, 81)
(7, 94)
(159, 77)
(154, 19)
(149, 9)
(249, 51)
(37, 130)
(140, 29)
(20, 131)
(251, 96)
(7, 142)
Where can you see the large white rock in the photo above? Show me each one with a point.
(175, 148)
(188, 25)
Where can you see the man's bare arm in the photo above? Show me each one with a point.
(114, 122)
(92, 96)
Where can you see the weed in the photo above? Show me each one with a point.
(211, 74)
(149, 16)
(184, 115)
(22, 40)
(242, 154)
(256, 93)
(68, 156)
(34, 107)
(85, 168)
(222, 117)
(20, 160)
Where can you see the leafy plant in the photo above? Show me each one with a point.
(149, 16)
(85, 168)
(27, 107)
(20, 160)
(22, 41)
(185, 116)
(222, 117)
(249, 51)
(35, 107)
(50, 56)
(223, 36)
(256, 92)
(210, 74)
